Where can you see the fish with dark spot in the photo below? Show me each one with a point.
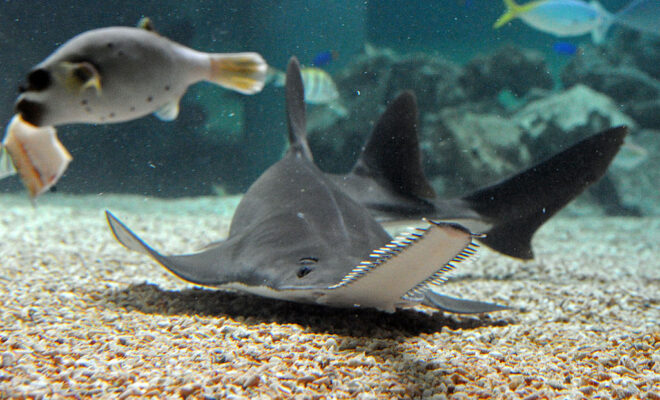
(111, 69)
(111, 75)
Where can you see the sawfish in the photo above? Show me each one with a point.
(297, 236)
(388, 179)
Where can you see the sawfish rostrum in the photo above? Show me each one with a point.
(388, 179)
(297, 236)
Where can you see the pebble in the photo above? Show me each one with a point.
(8, 359)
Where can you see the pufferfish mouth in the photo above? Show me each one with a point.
(31, 111)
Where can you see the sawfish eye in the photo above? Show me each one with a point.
(306, 268)
(38, 80)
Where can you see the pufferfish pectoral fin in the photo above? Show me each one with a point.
(169, 111)
(198, 268)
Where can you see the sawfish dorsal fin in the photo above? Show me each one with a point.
(391, 156)
(295, 110)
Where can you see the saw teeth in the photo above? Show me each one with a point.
(398, 245)
(439, 276)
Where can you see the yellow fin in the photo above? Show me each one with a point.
(242, 72)
(513, 10)
(147, 24)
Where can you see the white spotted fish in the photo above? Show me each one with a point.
(110, 75)
(119, 74)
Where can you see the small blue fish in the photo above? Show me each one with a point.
(560, 17)
(324, 58)
(565, 48)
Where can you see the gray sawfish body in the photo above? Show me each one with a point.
(297, 236)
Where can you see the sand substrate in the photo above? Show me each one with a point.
(82, 317)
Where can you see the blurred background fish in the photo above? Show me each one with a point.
(566, 48)
(320, 88)
(641, 15)
(576, 17)
(324, 58)
(560, 17)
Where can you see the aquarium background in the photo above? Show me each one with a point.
(491, 101)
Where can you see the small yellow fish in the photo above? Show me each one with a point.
(118, 74)
(36, 154)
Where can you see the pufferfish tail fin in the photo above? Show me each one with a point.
(242, 72)
(513, 10)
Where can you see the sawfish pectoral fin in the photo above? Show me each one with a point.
(461, 306)
(126, 237)
(198, 268)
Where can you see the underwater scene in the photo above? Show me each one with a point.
(330, 199)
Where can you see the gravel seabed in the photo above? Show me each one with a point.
(82, 317)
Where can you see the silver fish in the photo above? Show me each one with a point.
(118, 74)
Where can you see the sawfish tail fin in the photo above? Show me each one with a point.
(519, 205)
(241, 72)
(295, 110)
(392, 156)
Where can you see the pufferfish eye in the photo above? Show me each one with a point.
(39, 80)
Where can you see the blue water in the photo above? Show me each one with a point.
(225, 141)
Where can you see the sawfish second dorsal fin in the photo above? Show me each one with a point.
(295, 110)
(391, 156)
